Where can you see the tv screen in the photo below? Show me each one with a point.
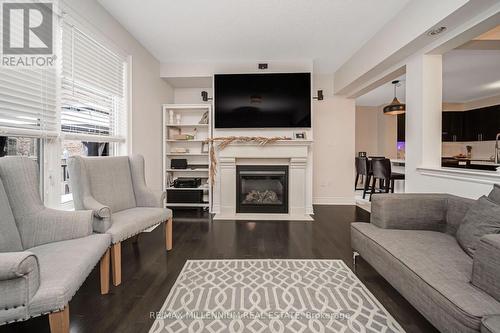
(262, 100)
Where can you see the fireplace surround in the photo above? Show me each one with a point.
(294, 154)
(262, 189)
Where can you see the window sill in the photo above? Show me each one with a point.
(474, 176)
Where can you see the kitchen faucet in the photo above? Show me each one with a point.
(497, 148)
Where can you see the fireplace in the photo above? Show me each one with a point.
(262, 189)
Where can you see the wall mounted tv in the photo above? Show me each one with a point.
(262, 100)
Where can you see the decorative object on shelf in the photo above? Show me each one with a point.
(204, 147)
(299, 135)
(179, 150)
(204, 119)
(396, 107)
(183, 137)
(226, 141)
(171, 116)
(178, 118)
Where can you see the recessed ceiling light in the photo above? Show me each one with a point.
(436, 31)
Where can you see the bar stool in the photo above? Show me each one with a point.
(363, 169)
(359, 172)
(381, 169)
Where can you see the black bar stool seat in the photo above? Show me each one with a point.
(382, 171)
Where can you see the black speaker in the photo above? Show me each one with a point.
(178, 163)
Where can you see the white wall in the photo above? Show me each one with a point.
(191, 95)
(149, 91)
(376, 133)
(334, 146)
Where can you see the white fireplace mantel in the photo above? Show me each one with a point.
(297, 154)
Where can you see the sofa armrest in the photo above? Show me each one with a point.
(51, 225)
(101, 214)
(490, 324)
(409, 211)
(19, 278)
(486, 265)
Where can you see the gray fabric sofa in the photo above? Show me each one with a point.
(45, 254)
(114, 188)
(411, 243)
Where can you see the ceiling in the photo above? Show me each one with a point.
(326, 31)
(467, 75)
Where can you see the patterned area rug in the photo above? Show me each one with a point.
(270, 296)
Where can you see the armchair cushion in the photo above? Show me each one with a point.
(144, 197)
(37, 224)
(409, 211)
(50, 225)
(110, 181)
(130, 222)
(64, 266)
(486, 266)
(10, 240)
(19, 281)
(481, 219)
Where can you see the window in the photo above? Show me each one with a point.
(78, 107)
(93, 100)
(93, 89)
(19, 146)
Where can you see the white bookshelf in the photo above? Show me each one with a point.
(190, 115)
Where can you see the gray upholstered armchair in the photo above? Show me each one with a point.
(45, 254)
(114, 188)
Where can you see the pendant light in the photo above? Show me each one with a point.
(396, 107)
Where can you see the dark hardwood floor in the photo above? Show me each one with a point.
(149, 272)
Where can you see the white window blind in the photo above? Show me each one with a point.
(93, 89)
(28, 102)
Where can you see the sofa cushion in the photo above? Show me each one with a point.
(481, 219)
(10, 241)
(111, 182)
(430, 270)
(495, 194)
(490, 324)
(64, 266)
(127, 223)
(456, 208)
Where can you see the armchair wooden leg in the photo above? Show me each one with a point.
(59, 321)
(116, 263)
(168, 234)
(104, 268)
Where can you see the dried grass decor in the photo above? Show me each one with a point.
(222, 142)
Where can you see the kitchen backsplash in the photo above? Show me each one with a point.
(483, 150)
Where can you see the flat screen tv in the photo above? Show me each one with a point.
(262, 100)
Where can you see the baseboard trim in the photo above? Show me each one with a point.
(334, 200)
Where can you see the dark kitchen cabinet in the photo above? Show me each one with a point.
(474, 125)
(401, 127)
(453, 126)
(489, 121)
